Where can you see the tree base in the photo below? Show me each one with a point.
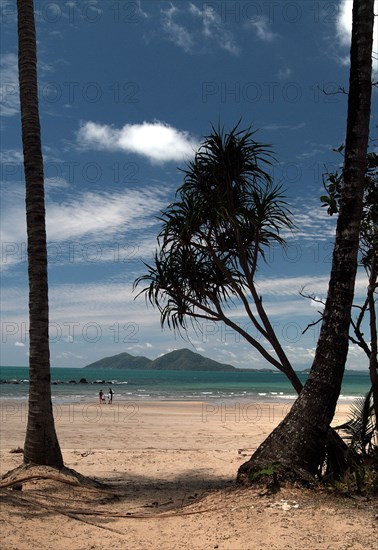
(28, 472)
(332, 464)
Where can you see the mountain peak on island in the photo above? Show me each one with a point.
(180, 360)
(185, 359)
(121, 361)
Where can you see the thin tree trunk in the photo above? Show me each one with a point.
(298, 443)
(41, 443)
(373, 365)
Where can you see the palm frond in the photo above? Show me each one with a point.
(359, 429)
(225, 215)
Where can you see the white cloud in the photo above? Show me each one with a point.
(344, 22)
(213, 28)
(261, 26)
(9, 94)
(99, 214)
(344, 30)
(175, 32)
(19, 344)
(318, 303)
(275, 126)
(156, 141)
(9, 86)
(11, 156)
(290, 286)
(68, 355)
(211, 31)
(312, 224)
(300, 355)
(55, 183)
(284, 74)
(100, 217)
(140, 11)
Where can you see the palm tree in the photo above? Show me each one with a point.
(333, 184)
(227, 214)
(41, 443)
(298, 443)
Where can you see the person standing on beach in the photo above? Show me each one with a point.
(110, 396)
(101, 396)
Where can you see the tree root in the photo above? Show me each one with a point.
(28, 472)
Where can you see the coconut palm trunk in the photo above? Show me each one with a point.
(298, 443)
(41, 444)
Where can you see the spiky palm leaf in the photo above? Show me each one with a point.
(359, 430)
(225, 215)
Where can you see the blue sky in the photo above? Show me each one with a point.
(127, 91)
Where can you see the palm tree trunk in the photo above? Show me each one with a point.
(298, 443)
(41, 443)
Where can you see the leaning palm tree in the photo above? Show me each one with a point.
(41, 444)
(299, 441)
(226, 215)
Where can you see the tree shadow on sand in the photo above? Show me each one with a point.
(146, 492)
(45, 492)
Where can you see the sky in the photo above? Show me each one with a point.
(127, 91)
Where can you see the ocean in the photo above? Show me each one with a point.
(170, 385)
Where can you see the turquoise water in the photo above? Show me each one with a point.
(172, 385)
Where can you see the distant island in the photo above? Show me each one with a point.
(180, 360)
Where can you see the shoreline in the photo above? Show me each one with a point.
(215, 387)
(274, 398)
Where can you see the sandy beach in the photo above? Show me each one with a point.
(169, 469)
